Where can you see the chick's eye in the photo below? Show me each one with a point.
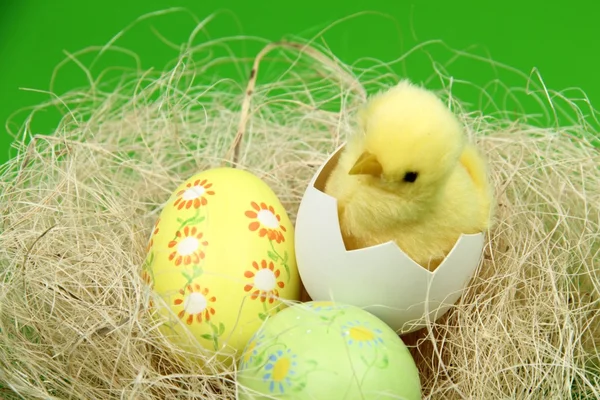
(410, 177)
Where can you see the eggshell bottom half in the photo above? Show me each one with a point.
(382, 279)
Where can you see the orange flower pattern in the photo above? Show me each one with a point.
(266, 222)
(265, 281)
(186, 246)
(151, 241)
(196, 303)
(147, 279)
(194, 195)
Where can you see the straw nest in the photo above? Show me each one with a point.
(77, 208)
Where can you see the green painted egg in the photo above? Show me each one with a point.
(324, 351)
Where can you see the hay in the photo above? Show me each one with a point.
(77, 208)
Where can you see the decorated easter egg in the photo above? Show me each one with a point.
(382, 279)
(220, 260)
(324, 350)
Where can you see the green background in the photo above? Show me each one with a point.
(561, 40)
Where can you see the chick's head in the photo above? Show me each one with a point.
(411, 142)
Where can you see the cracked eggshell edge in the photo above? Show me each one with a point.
(381, 279)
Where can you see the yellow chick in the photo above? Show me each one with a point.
(411, 177)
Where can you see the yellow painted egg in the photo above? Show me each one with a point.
(220, 260)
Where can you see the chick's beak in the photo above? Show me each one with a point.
(367, 164)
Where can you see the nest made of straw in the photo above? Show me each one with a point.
(77, 208)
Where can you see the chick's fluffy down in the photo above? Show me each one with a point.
(450, 197)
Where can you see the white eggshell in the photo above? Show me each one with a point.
(382, 279)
